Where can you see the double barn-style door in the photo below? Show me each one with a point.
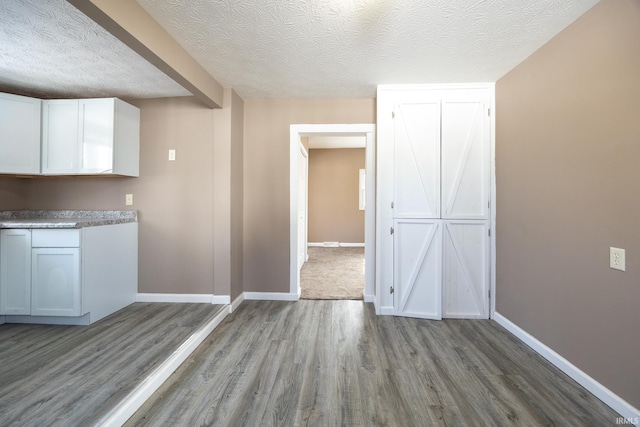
(435, 147)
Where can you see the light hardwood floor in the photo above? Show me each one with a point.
(326, 363)
(74, 375)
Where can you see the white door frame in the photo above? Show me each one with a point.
(368, 131)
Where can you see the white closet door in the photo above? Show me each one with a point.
(417, 160)
(466, 269)
(465, 159)
(417, 268)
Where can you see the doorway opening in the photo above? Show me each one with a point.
(334, 268)
(299, 199)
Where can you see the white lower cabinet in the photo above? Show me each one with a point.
(15, 272)
(67, 276)
(55, 282)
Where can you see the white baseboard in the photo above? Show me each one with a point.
(236, 302)
(335, 245)
(369, 298)
(185, 298)
(136, 398)
(221, 299)
(387, 311)
(601, 392)
(271, 296)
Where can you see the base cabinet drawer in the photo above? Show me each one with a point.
(55, 277)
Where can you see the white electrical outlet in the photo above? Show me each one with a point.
(172, 155)
(617, 259)
(128, 199)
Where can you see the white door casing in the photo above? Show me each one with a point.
(368, 131)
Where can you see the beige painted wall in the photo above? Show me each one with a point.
(266, 179)
(334, 214)
(174, 199)
(568, 174)
(12, 193)
(237, 192)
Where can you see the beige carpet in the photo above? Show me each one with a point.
(333, 273)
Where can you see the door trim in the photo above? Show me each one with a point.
(366, 130)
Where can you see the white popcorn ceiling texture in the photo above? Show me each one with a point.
(279, 48)
(344, 48)
(50, 49)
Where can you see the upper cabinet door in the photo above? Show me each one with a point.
(417, 160)
(60, 124)
(465, 157)
(96, 135)
(19, 134)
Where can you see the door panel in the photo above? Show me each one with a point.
(60, 136)
(465, 160)
(97, 139)
(417, 268)
(466, 269)
(15, 272)
(417, 160)
(56, 282)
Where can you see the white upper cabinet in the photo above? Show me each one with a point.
(19, 134)
(90, 136)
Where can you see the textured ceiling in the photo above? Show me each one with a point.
(344, 48)
(49, 49)
(279, 48)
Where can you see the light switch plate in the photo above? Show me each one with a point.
(128, 199)
(172, 155)
(617, 259)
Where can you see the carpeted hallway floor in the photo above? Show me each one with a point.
(333, 273)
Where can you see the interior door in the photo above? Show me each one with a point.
(417, 160)
(302, 206)
(417, 268)
(465, 275)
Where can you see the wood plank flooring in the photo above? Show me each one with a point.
(74, 375)
(330, 363)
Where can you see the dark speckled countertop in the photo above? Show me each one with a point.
(64, 219)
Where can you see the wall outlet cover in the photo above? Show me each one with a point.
(617, 259)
